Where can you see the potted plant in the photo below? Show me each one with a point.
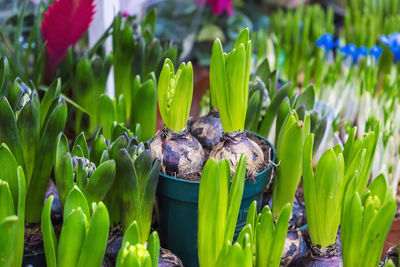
(135, 253)
(177, 193)
(29, 128)
(84, 233)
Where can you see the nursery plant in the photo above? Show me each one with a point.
(323, 193)
(180, 153)
(88, 84)
(267, 104)
(229, 82)
(134, 253)
(354, 146)
(29, 128)
(365, 222)
(218, 211)
(137, 52)
(268, 235)
(76, 169)
(131, 196)
(12, 210)
(289, 157)
(83, 238)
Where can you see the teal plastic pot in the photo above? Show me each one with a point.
(178, 203)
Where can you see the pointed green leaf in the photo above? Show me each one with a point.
(94, 246)
(100, 182)
(50, 242)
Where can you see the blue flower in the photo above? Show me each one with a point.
(393, 41)
(351, 51)
(326, 42)
(375, 51)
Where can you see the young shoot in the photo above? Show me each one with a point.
(219, 206)
(289, 149)
(229, 87)
(180, 153)
(323, 193)
(175, 91)
(365, 223)
(229, 81)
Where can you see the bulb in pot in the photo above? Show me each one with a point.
(233, 145)
(180, 153)
(207, 129)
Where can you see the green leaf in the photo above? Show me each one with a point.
(81, 142)
(280, 236)
(376, 234)
(289, 154)
(98, 147)
(264, 237)
(282, 114)
(7, 202)
(4, 76)
(9, 132)
(235, 198)
(8, 171)
(100, 182)
(28, 122)
(306, 98)
(242, 38)
(94, 246)
(7, 238)
(152, 57)
(219, 85)
(252, 214)
(235, 71)
(153, 247)
(44, 161)
(379, 187)
(147, 174)
(126, 184)
(50, 242)
(74, 201)
(212, 211)
(52, 92)
(263, 71)
(369, 143)
(63, 169)
(72, 238)
(144, 111)
(107, 114)
(273, 109)
(351, 225)
(19, 227)
(182, 99)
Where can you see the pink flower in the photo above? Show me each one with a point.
(219, 6)
(63, 25)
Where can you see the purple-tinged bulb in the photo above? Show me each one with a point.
(326, 42)
(392, 41)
